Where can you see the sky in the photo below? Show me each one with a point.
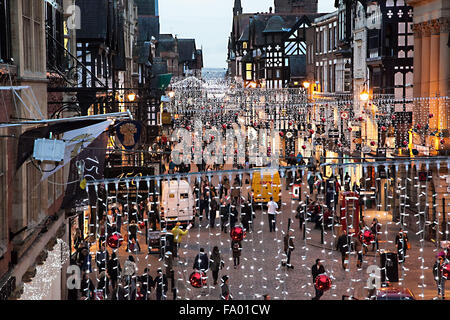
(209, 23)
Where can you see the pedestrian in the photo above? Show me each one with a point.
(311, 180)
(300, 215)
(375, 228)
(130, 269)
(317, 269)
(225, 291)
(133, 230)
(234, 214)
(224, 215)
(215, 263)
(168, 264)
(358, 247)
(344, 246)
(87, 287)
(401, 243)
(347, 181)
(201, 261)
(236, 248)
(213, 212)
(78, 239)
(103, 284)
(102, 258)
(147, 283)
(153, 213)
(178, 237)
(119, 293)
(246, 216)
(272, 207)
(288, 248)
(114, 269)
(439, 277)
(84, 259)
(161, 285)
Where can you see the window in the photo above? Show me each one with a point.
(244, 45)
(5, 35)
(32, 35)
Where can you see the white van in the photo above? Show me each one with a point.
(177, 202)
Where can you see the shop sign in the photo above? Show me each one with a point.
(128, 133)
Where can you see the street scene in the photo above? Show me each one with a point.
(300, 150)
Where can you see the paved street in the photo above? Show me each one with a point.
(260, 271)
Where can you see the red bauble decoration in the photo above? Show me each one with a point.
(115, 240)
(304, 147)
(290, 123)
(367, 237)
(197, 279)
(323, 282)
(372, 143)
(446, 271)
(203, 108)
(237, 234)
(311, 131)
(431, 115)
(442, 141)
(419, 126)
(323, 119)
(281, 134)
(339, 145)
(189, 128)
(236, 114)
(360, 119)
(405, 143)
(393, 117)
(224, 126)
(350, 129)
(255, 124)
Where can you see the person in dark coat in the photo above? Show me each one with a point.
(224, 215)
(102, 258)
(344, 246)
(225, 291)
(439, 277)
(236, 247)
(288, 248)
(246, 216)
(215, 263)
(103, 284)
(147, 283)
(87, 287)
(234, 215)
(114, 269)
(161, 285)
(201, 261)
(212, 212)
(401, 242)
(316, 270)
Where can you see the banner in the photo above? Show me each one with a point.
(128, 133)
(76, 140)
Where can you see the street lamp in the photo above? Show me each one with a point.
(131, 97)
(364, 95)
(306, 84)
(171, 94)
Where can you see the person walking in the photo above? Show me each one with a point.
(213, 211)
(168, 264)
(161, 285)
(236, 248)
(114, 269)
(375, 228)
(246, 216)
(133, 230)
(272, 207)
(344, 246)
(130, 269)
(215, 263)
(224, 215)
(234, 214)
(300, 215)
(201, 261)
(147, 284)
(178, 237)
(401, 243)
(316, 270)
(439, 277)
(101, 258)
(87, 287)
(288, 248)
(225, 290)
(103, 284)
(358, 247)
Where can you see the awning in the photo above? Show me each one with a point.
(164, 80)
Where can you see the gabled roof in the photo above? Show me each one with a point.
(166, 43)
(186, 49)
(276, 24)
(148, 27)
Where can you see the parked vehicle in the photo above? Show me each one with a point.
(267, 186)
(177, 202)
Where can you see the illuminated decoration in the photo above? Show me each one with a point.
(197, 279)
(237, 234)
(364, 96)
(323, 282)
(306, 84)
(131, 97)
(367, 237)
(115, 240)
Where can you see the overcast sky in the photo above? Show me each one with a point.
(209, 22)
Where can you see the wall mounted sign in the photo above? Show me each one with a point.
(128, 133)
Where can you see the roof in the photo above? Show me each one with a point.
(94, 19)
(166, 44)
(186, 49)
(276, 24)
(147, 7)
(142, 52)
(148, 27)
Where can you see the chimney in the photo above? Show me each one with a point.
(270, 10)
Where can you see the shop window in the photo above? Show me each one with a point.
(32, 35)
(5, 35)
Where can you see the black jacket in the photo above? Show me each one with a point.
(344, 244)
(315, 270)
(201, 261)
(161, 284)
(114, 269)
